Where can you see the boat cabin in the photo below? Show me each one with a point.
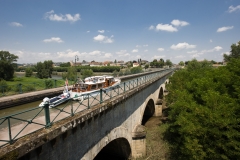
(93, 83)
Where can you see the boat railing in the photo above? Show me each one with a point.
(17, 125)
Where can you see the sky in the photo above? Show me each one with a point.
(109, 30)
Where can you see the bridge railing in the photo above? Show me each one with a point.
(23, 123)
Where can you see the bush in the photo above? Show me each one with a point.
(86, 73)
(48, 83)
(29, 88)
(135, 70)
(3, 85)
(28, 72)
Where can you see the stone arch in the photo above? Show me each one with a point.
(161, 91)
(148, 112)
(116, 149)
(120, 134)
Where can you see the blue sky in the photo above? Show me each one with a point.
(105, 30)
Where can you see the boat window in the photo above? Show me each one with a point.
(94, 87)
(100, 85)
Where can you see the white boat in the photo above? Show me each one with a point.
(92, 85)
(57, 100)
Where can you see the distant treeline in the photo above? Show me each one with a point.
(79, 68)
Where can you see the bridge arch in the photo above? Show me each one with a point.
(116, 149)
(149, 111)
(118, 136)
(160, 95)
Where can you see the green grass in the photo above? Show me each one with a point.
(27, 84)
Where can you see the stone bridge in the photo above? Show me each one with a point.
(111, 130)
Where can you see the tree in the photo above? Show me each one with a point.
(168, 63)
(65, 64)
(49, 67)
(86, 73)
(28, 72)
(44, 70)
(135, 70)
(181, 63)
(204, 111)
(7, 65)
(195, 65)
(146, 66)
(71, 74)
(234, 53)
(41, 70)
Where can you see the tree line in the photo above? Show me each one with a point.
(204, 110)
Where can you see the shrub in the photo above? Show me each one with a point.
(48, 83)
(3, 85)
(28, 72)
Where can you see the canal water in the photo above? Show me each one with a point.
(20, 108)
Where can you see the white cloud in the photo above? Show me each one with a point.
(95, 53)
(222, 29)
(160, 49)
(123, 53)
(146, 50)
(180, 56)
(53, 39)
(151, 27)
(101, 31)
(166, 27)
(192, 52)
(138, 46)
(67, 17)
(108, 55)
(195, 55)
(138, 56)
(158, 57)
(218, 48)
(173, 27)
(183, 45)
(135, 50)
(233, 9)
(210, 41)
(99, 38)
(16, 24)
(227, 53)
(88, 31)
(145, 45)
(103, 39)
(177, 22)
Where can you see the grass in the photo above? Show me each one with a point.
(156, 147)
(28, 84)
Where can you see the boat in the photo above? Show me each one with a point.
(91, 85)
(57, 100)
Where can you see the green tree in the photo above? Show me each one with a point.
(71, 74)
(44, 70)
(234, 53)
(135, 70)
(65, 64)
(168, 63)
(181, 63)
(146, 66)
(86, 73)
(49, 67)
(204, 111)
(7, 65)
(115, 73)
(28, 72)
